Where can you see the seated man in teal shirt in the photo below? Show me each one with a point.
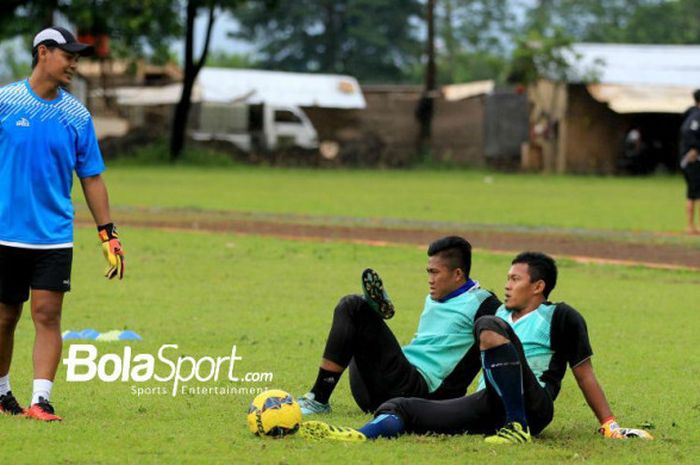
(441, 360)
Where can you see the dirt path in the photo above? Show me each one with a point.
(581, 245)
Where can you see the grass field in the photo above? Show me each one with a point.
(570, 202)
(273, 299)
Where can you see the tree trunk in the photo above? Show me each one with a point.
(182, 110)
(424, 110)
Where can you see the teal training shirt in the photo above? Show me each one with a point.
(553, 336)
(535, 333)
(445, 334)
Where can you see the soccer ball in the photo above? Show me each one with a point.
(274, 413)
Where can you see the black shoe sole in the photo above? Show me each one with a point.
(375, 295)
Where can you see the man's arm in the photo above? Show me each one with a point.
(692, 137)
(98, 203)
(595, 397)
(97, 199)
(587, 382)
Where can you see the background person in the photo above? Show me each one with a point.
(690, 165)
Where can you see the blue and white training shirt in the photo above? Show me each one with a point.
(41, 143)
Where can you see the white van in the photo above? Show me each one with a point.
(255, 127)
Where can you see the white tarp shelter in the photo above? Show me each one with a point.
(280, 88)
(639, 78)
(224, 85)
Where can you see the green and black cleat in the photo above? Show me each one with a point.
(375, 295)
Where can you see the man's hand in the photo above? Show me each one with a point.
(690, 157)
(112, 249)
(610, 429)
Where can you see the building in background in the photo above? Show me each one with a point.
(620, 113)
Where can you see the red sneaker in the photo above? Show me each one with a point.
(42, 410)
(9, 405)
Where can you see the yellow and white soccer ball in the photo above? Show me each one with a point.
(274, 413)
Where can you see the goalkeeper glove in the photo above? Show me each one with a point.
(610, 429)
(112, 249)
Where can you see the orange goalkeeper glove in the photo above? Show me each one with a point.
(610, 429)
(112, 249)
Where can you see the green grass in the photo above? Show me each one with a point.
(467, 197)
(273, 299)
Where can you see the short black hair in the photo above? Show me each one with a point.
(540, 266)
(455, 250)
(35, 53)
(696, 96)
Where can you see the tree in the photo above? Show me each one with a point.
(23, 17)
(374, 40)
(136, 28)
(425, 106)
(191, 68)
(623, 21)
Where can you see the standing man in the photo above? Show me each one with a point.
(690, 162)
(525, 349)
(441, 360)
(46, 134)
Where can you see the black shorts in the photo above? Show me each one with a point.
(692, 179)
(22, 269)
(478, 413)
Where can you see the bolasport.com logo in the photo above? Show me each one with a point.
(171, 373)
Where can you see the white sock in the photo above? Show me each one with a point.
(42, 388)
(5, 384)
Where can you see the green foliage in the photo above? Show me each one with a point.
(25, 17)
(136, 28)
(14, 67)
(222, 59)
(475, 66)
(623, 21)
(541, 54)
(158, 154)
(660, 22)
(374, 40)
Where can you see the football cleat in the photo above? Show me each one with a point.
(9, 405)
(42, 410)
(512, 433)
(375, 295)
(318, 430)
(310, 406)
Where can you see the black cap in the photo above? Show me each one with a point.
(63, 39)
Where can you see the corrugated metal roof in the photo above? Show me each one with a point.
(642, 99)
(663, 65)
(280, 88)
(638, 78)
